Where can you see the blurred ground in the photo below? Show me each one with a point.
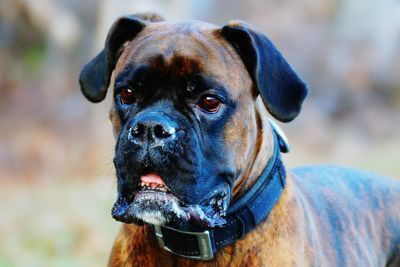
(56, 149)
(58, 223)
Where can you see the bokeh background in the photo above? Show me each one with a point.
(57, 182)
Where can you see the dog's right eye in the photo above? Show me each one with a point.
(127, 96)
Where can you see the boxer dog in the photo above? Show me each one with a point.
(197, 158)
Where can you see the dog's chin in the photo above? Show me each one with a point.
(163, 208)
(156, 208)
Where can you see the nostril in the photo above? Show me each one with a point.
(137, 130)
(160, 132)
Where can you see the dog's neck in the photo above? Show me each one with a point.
(263, 148)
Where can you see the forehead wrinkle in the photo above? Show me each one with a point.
(176, 66)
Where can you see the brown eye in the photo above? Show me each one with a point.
(127, 96)
(209, 104)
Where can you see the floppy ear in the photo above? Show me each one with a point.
(95, 76)
(281, 89)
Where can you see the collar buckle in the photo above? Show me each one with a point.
(283, 142)
(205, 250)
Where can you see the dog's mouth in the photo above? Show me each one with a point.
(153, 202)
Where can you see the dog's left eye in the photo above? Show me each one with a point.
(209, 104)
(127, 96)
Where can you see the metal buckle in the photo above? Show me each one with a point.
(203, 239)
(283, 142)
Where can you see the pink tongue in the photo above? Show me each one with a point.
(152, 178)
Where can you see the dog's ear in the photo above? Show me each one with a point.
(95, 76)
(281, 89)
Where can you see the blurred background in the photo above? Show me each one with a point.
(57, 181)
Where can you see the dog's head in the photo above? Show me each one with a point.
(184, 113)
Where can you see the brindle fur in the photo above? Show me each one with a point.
(322, 217)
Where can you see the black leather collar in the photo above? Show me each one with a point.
(242, 216)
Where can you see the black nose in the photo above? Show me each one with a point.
(152, 127)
